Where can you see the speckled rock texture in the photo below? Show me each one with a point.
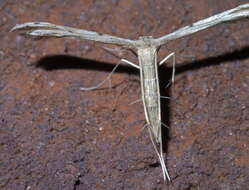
(55, 137)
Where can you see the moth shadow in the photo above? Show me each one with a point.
(164, 75)
(240, 54)
(60, 62)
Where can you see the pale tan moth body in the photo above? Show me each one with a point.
(147, 57)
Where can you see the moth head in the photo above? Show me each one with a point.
(146, 41)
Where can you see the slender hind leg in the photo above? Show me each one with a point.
(109, 76)
(166, 97)
(163, 124)
(136, 101)
(173, 71)
(101, 83)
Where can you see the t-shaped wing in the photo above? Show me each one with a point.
(45, 29)
(237, 13)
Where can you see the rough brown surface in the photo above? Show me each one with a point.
(54, 136)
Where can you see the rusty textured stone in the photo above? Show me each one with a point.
(54, 136)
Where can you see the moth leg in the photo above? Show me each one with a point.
(161, 157)
(136, 101)
(146, 125)
(167, 57)
(174, 62)
(164, 125)
(109, 76)
(111, 51)
(116, 52)
(101, 83)
(166, 97)
(130, 63)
